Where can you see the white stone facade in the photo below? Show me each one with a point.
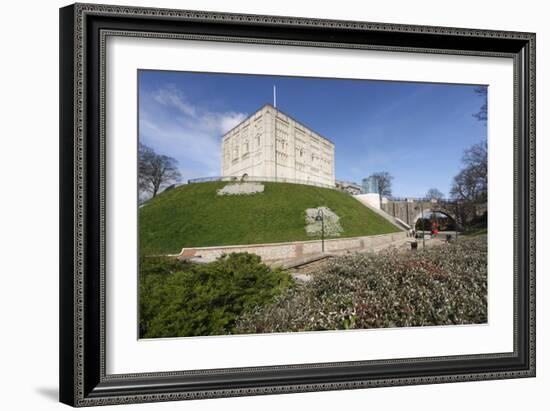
(270, 144)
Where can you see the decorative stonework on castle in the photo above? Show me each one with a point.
(270, 144)
(238, 189)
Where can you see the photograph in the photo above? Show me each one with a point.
(284, 204)
(293, 201)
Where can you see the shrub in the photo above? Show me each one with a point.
(180, 299)
(439, 286)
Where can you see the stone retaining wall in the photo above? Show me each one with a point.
(297, 249)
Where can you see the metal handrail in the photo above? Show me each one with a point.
(423, 199)
(261, 179)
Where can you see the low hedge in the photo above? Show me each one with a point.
(439, 286)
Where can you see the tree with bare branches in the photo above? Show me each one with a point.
(155, 171)
(434, 194)
(481, 115)
(384, 180)
(469, 187)
(471, 183)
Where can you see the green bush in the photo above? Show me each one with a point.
(179, 299)
(439, 286)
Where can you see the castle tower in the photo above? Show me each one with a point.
(271, 144)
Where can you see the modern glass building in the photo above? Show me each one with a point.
(370, 185)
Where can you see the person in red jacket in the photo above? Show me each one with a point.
(435, 229)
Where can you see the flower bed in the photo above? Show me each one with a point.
(440, 286)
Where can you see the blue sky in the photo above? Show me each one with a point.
(415, 131)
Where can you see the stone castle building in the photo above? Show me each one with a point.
(271, 144)
(349, 187)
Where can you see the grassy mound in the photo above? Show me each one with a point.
(194, 215)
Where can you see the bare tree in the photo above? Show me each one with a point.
(470, 185)
(467, 187)
(434, 194)
(481, 115)
(384, 180)
(155, 170)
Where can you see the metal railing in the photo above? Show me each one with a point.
(421, 199)
(310, 183)
(261, 179)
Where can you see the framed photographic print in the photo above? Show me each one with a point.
(261, 204)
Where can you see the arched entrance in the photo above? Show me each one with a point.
(445, 220)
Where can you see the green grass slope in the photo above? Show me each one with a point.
(194, 215)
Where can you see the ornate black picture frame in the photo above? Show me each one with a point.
(83, 30)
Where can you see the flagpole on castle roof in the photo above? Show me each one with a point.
(274, 96)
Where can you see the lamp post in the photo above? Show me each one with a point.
(456, 221)
(320, 217)
(422, 219)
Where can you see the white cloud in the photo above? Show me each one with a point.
(188, 146)
(170, 96)
(230, 120)
(171, 124)
(221, 122)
